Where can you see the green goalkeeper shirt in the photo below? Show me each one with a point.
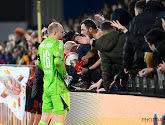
(51, 61)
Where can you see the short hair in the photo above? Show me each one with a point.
(155, 35)
(106, 26)
(140, 5)
(69, 45)
(35, 34)
(36, 45)
(53, 27)
(3, 45)
(29, 31)
(89, 23)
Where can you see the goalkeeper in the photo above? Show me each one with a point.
(51, 61)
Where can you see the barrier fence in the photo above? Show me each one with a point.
(149, 86)
(90, 108)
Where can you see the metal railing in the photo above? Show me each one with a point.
(148, 86)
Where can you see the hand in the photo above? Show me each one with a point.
(28, 37)
(112, 84)
(83, 40)
(99, 90)
(95, 85)
(43, 31)
(83, 71)
(67, 78)
(145, 72)
(126, 71)
(85, 59)
(161, 68)
(12, 85)
(117, 24)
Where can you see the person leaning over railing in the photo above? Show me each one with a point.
(156, 41)
(110, 46)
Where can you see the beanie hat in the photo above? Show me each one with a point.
(155, 35)
(122, 16)
(69, 35)
(19, 31)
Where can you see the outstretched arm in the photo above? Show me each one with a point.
(60, 65)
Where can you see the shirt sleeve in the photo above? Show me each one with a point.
(59, 59)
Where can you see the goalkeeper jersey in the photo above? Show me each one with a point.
(51, 61)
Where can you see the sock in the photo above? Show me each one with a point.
(59, 123)
(42, 123)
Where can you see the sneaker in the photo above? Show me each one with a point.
(81, 86)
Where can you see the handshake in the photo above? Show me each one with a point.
(67, 78)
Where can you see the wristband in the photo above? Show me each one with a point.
(89, 70)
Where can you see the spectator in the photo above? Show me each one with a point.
(156, 41)
(17, 54)
(91, 69)
(3, 53)
(1, 60)
(34, 51)
(34, 37)
(70, 46)
(32, 106)
(109, 45)
(19, 33)
(139, 6)
(9, 50)
(131, 7)
(12, 39)
(139, 26)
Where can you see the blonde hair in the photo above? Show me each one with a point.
(53, 27)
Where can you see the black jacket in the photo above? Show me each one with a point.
(135, 45)
(159, 57)
(37, 89)
(111, 52)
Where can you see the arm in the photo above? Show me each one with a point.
(96, 85)
(94, 66)
(90, 54)
(106, 65)
(59, 59)
(97, 64)
(60, 65)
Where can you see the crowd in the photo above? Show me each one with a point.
(121, 41)
(125, 43)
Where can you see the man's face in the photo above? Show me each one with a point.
(136, 11)
(11, 38)
(84, 30)
(34, 50)
(16, 52)
(60, 33)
